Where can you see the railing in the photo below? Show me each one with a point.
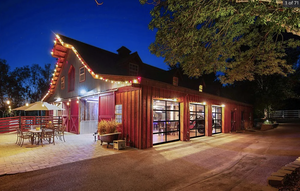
(9, 124)
(286, 114)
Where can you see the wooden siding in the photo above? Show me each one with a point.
(131, 118)
(149, 93)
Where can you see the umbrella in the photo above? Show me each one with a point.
(38, 106)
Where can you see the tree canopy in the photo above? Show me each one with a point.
(23, 84)
(238, 40)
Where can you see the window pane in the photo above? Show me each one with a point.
(172, 115)
(200, 108)
(159, 116)
(172, 105)
(193, 107)
(159, 138)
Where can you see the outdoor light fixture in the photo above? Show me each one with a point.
(82, 92)
(26, 104)
(69, 100)
(8, 102)
(222, 105)
(204, 103)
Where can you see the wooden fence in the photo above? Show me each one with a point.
(9, 124)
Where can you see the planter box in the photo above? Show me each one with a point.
(109, 138)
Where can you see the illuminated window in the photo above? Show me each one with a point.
(71, 78)
(62, 83)
(200, 88)
(133, 69)
(118, 113)
(81, 74)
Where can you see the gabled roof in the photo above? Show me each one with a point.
(100, 61)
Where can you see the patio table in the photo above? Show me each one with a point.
(37, 133)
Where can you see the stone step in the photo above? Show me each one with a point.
(287, 172)
(293, 166)
(280, 174)
(293, 169)
(296, 163)
(276, 181)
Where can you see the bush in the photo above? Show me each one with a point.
(105, 127)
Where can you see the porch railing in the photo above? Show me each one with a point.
(9, 124)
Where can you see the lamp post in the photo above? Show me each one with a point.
(9, 107)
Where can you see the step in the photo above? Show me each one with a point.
(289, 168)
(293, 166)
(287, 172)
(275, 181)
(280, 174)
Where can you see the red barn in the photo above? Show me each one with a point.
(154, 106)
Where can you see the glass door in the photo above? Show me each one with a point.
(197, 120)
(166, 122)
(216, 119)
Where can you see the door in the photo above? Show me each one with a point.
(106, 107)
(70, 116)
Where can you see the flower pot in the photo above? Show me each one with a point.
(109, 138)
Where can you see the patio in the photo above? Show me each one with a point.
(16, 159)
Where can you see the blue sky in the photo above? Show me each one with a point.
(27, 28)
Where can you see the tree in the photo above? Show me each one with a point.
(269, 92)
(22, 85)
(240, 40)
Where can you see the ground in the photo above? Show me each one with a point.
(231, 161)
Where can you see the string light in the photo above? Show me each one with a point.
(96, 76)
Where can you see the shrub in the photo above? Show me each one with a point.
(105, 127)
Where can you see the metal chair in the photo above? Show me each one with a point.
(21, 136)
(60, 132)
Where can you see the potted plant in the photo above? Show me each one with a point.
(108, 131)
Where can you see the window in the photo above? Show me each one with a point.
(81, 74)
(200, 88)
(175, 81)
(166, 121)
(133, 69)
(71, 78)
(118, 113)
(62, 83)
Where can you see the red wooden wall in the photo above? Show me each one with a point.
(131, 116)
(137, 114)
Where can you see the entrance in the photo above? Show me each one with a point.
(216, 119)
(166, 121)
(197, 120)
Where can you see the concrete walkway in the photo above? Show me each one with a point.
(232, 161)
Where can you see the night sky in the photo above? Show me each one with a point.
(27, 28)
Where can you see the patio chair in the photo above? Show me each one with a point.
(60, 132)
(21, 136)
(48, 134)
